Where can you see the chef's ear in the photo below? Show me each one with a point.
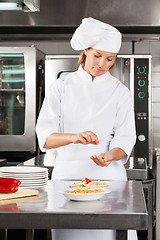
(85, 51)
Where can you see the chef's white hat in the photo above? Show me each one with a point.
(96, 34)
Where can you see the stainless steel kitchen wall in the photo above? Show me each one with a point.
(70, 13)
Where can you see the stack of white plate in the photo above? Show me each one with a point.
(30, 177)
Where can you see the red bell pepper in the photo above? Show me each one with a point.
(10, 180)
(9, 184)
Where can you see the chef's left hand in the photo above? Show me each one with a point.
(103, 160)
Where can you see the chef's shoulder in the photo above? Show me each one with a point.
(68, 77)
(122, 91)
(58, 84)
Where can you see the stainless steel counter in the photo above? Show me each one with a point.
(121, 209)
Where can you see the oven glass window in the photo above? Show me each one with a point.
(12, 94)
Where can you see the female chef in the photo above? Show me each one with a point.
(88, 116)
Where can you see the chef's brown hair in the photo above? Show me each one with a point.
(82, 59)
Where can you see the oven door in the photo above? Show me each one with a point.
(17, 99)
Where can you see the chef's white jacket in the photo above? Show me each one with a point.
(75, 104)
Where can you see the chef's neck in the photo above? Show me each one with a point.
(86, 70)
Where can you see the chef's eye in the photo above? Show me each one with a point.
(109, 59)
(97, 56)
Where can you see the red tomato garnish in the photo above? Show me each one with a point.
(87, 180)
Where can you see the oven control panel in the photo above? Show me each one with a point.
(141, 68)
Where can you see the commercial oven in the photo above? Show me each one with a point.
(20, 75)
(134, 71)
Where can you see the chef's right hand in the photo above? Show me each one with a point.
(85, 138)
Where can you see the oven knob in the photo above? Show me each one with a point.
(141, 138)
(141, 83)
(141, 95)
(140, 160)
(141, 70)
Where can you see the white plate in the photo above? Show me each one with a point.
(34, 180)
(23, 169)
(87, 185)
(34, 186)
(85, 196)
(33, 183)
(23, 176)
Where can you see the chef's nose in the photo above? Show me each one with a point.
(101, 62)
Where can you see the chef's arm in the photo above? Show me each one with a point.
(56, 140)
(104, 159)
(117, 153)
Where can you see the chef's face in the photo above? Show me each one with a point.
(98, 62)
